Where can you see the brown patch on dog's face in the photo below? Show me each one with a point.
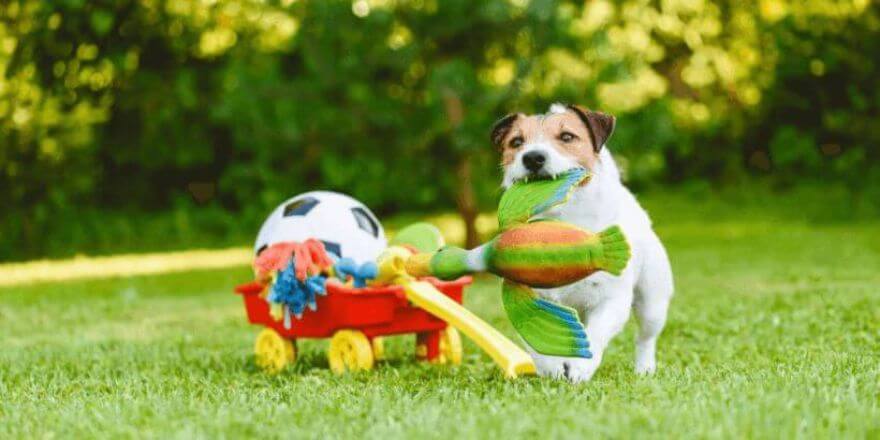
(502, 135)
(521, 131)
(571, 137)
(601, 125)
(568, 132)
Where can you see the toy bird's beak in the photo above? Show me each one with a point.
(587, 179)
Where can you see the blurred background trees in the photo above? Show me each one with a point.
(186, 121)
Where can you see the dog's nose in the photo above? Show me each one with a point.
(534, 160)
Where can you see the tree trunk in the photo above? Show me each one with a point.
(467, 205)
(465, 199)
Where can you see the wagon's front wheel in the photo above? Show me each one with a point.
(350, 350)
(273, 352)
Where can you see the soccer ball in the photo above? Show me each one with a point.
(345, 226)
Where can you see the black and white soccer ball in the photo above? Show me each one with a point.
(345, 226)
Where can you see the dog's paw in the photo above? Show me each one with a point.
(573, 369)
(646, 367)
(581, 370)
(549, 366)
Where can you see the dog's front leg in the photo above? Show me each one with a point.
(604, 321)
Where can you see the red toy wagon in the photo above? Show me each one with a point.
(355, 319)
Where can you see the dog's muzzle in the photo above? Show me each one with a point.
(534, 161)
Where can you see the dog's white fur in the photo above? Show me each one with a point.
(604, 301)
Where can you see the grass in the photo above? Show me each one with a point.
(773, 333)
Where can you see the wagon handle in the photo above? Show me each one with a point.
(509, 356)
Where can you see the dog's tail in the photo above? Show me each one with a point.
(614, 251)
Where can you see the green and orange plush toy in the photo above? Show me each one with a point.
(535, 252)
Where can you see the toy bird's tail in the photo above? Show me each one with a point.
(614, 251)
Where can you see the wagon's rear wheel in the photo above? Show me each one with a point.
(450, 347)
(350, 350)
(378, 345)
(273, 352)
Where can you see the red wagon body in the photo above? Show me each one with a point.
(373, 312)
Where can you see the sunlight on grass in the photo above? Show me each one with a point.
(84, 267)
(121, 265)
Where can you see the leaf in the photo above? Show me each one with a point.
(101, 21)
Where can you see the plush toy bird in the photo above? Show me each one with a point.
(534, 252)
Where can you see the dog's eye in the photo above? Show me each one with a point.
(516, 142)
(567, 137)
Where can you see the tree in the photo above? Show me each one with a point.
(227, 107)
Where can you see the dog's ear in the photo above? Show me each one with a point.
(501, 128)
(600, 125)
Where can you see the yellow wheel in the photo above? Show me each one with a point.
(421, 351)
(272, 351)
(378, 348)
(450, 347)
(350, 350)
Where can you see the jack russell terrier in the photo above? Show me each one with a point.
(566, 137)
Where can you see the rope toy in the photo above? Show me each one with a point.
(296, 273)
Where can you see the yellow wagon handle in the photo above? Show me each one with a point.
(512, 359)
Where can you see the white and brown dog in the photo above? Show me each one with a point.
(541, 146)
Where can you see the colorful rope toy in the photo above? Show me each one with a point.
(296, 273)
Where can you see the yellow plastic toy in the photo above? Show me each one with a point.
(513, 360)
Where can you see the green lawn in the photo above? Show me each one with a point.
(773, 333)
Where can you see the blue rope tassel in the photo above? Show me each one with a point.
(296, 295)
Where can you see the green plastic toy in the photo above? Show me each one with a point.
(533, 252)
(421, 237)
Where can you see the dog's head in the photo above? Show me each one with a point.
(543, 146)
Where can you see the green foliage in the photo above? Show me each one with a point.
(158, 106)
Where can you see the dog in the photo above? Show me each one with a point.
(567, 137)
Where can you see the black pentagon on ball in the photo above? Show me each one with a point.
(300, 207)
(332, 247)
(261, 249)
(365, 221)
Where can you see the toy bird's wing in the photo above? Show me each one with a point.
(549, 328)
(524, 200)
